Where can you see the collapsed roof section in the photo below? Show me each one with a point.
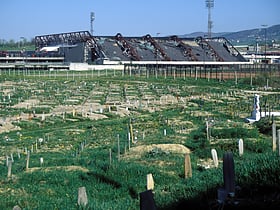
(145, 48)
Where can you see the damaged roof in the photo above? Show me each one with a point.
(147, 48)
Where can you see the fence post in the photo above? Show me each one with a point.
(27, 160)
(273, 136)
(9, 169)
(278, 133)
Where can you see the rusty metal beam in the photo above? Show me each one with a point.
(70, 38)
(66, 38)
(127, 48)
(157, 47)
(187, 50)
(205, 45)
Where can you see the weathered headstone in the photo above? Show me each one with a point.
(119, 150)
(215, 157)
(207, 130)
(43, 117)
(240, 147)
(27, 160)
(188, 167)
(12, 157)
(74, 112)
(228, 173)
(128, 134)
(278, 134)
(9, 169)
(82, 197)
(222, 195)
(41, 161)
(36, 145)
(110, 156)
(16, 207)
(147, 201)
(7, 160)
(150, 182)
(274, 136)
(143, 135)
(18, 153)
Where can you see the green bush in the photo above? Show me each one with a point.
(264, 126)
(231, 133)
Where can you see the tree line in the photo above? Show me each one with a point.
(21, 44)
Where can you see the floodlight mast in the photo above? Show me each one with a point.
(209, 5)
(92, 18)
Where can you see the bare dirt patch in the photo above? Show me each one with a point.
(27, 104)
(138, 151)
(65, 168)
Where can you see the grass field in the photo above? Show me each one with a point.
(106, 132)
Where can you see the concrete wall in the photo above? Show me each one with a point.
(85, 66)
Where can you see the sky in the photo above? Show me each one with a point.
(30, 18)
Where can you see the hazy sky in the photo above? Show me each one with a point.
(28, 18)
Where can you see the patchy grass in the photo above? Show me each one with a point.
(74, 120)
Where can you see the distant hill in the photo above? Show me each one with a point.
(246, 36)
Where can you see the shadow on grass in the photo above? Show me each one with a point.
(258, 198)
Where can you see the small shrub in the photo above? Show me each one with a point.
(264, 126)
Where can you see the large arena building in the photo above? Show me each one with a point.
(81, 51)
(82, 47)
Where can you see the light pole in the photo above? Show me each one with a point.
(265, 32)
(92, 18)
(209, 5)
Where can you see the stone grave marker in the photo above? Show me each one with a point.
(41, 161)
(18, 153)
(16, 207)
(188, 167)
(229, 174)
(150, 182)
(7, 160)
(147, 201)
(278, 133)
(240, 147)
(119, 150)
(110, 156)
(274, 136)
(27, 160)
(9, 169)
(215, 157)
(82, 197)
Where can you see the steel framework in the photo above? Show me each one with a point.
(157, 47)
(69, 39)
(208, 48)
(127, 49)
(187, 50)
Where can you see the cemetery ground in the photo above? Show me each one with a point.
(108, 132)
